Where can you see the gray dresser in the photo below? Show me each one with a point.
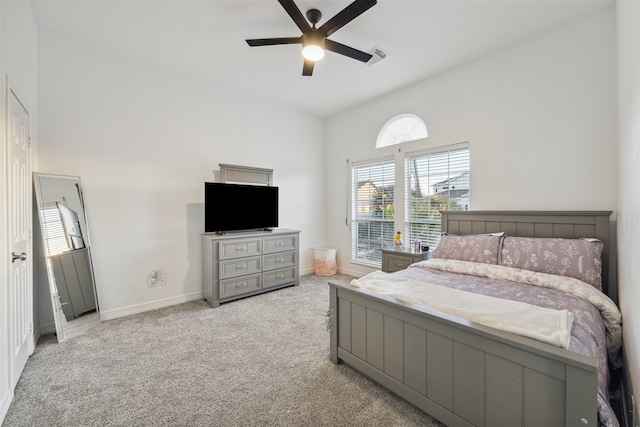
(74, 282)
(238, 265)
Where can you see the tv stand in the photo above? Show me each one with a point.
(238, 265)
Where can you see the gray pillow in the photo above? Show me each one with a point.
(482, 248)
(578, 258)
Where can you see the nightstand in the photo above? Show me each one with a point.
(395, 259)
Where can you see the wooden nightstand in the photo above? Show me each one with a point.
(395, 259)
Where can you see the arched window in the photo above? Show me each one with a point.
(401, 128)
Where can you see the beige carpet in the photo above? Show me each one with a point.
(260, 361)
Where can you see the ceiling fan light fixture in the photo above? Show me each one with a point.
(313, 52)
(312, 46)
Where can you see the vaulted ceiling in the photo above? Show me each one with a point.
(206, 39)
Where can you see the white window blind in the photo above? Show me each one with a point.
(372, 224)
(435, 181)
(53, 231)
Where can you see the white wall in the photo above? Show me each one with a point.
(144, 140)
(628, 24)
(18, 61)
(539, 117)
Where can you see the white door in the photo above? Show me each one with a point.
(19, 233)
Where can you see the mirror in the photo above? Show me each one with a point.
(67, 253)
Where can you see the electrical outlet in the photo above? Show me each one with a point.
(152, 279)
(162, 281)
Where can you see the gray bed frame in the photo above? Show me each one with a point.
(460, 372)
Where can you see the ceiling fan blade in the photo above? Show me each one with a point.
(307, 68)
(346, 50)
(345, 16)
(275, 41)
(296, 15)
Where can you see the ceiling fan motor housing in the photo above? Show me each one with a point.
(314, 15)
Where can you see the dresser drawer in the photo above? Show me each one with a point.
(396, 262)
(278, 260)
(278, 277)
(237, 248)
(239, 267)
(279, 243)
(240, 285)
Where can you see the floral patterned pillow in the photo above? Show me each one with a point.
(482, 248)
(577, 258)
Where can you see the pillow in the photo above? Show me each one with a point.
(577, 258)
(482, 248)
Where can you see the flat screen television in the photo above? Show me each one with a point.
(238, 207)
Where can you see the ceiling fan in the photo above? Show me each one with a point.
(314, 40)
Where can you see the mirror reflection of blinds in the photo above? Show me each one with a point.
(435, 181)
(53, 231)
(372, 210)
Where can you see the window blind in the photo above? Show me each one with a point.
(435, 181)
(53, 231)
(372, 210)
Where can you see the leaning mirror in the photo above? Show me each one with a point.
(67, 253)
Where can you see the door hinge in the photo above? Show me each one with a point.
(30, 328)
(29, 143)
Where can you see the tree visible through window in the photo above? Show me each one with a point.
(373, 210)
(435, 181)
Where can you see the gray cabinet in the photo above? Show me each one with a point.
(395, 259)
(238, 265)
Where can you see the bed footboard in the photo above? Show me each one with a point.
(459, 372)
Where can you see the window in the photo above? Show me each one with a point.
(401, 128)
(435, 180)
(372, 225)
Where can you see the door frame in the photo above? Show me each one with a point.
(6, 391)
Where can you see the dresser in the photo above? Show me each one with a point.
(237, 265)
(395, 259)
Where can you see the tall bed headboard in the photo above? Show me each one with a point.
(561, 224)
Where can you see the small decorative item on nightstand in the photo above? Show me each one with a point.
(398, 240)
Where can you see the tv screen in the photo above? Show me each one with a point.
(236, 207)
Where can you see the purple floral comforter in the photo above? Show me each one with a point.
(595, 331)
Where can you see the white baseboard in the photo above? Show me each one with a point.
(5, 402)
(307, 271)
(48, 328)
(148, 306)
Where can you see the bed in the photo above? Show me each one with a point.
(465, 373)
